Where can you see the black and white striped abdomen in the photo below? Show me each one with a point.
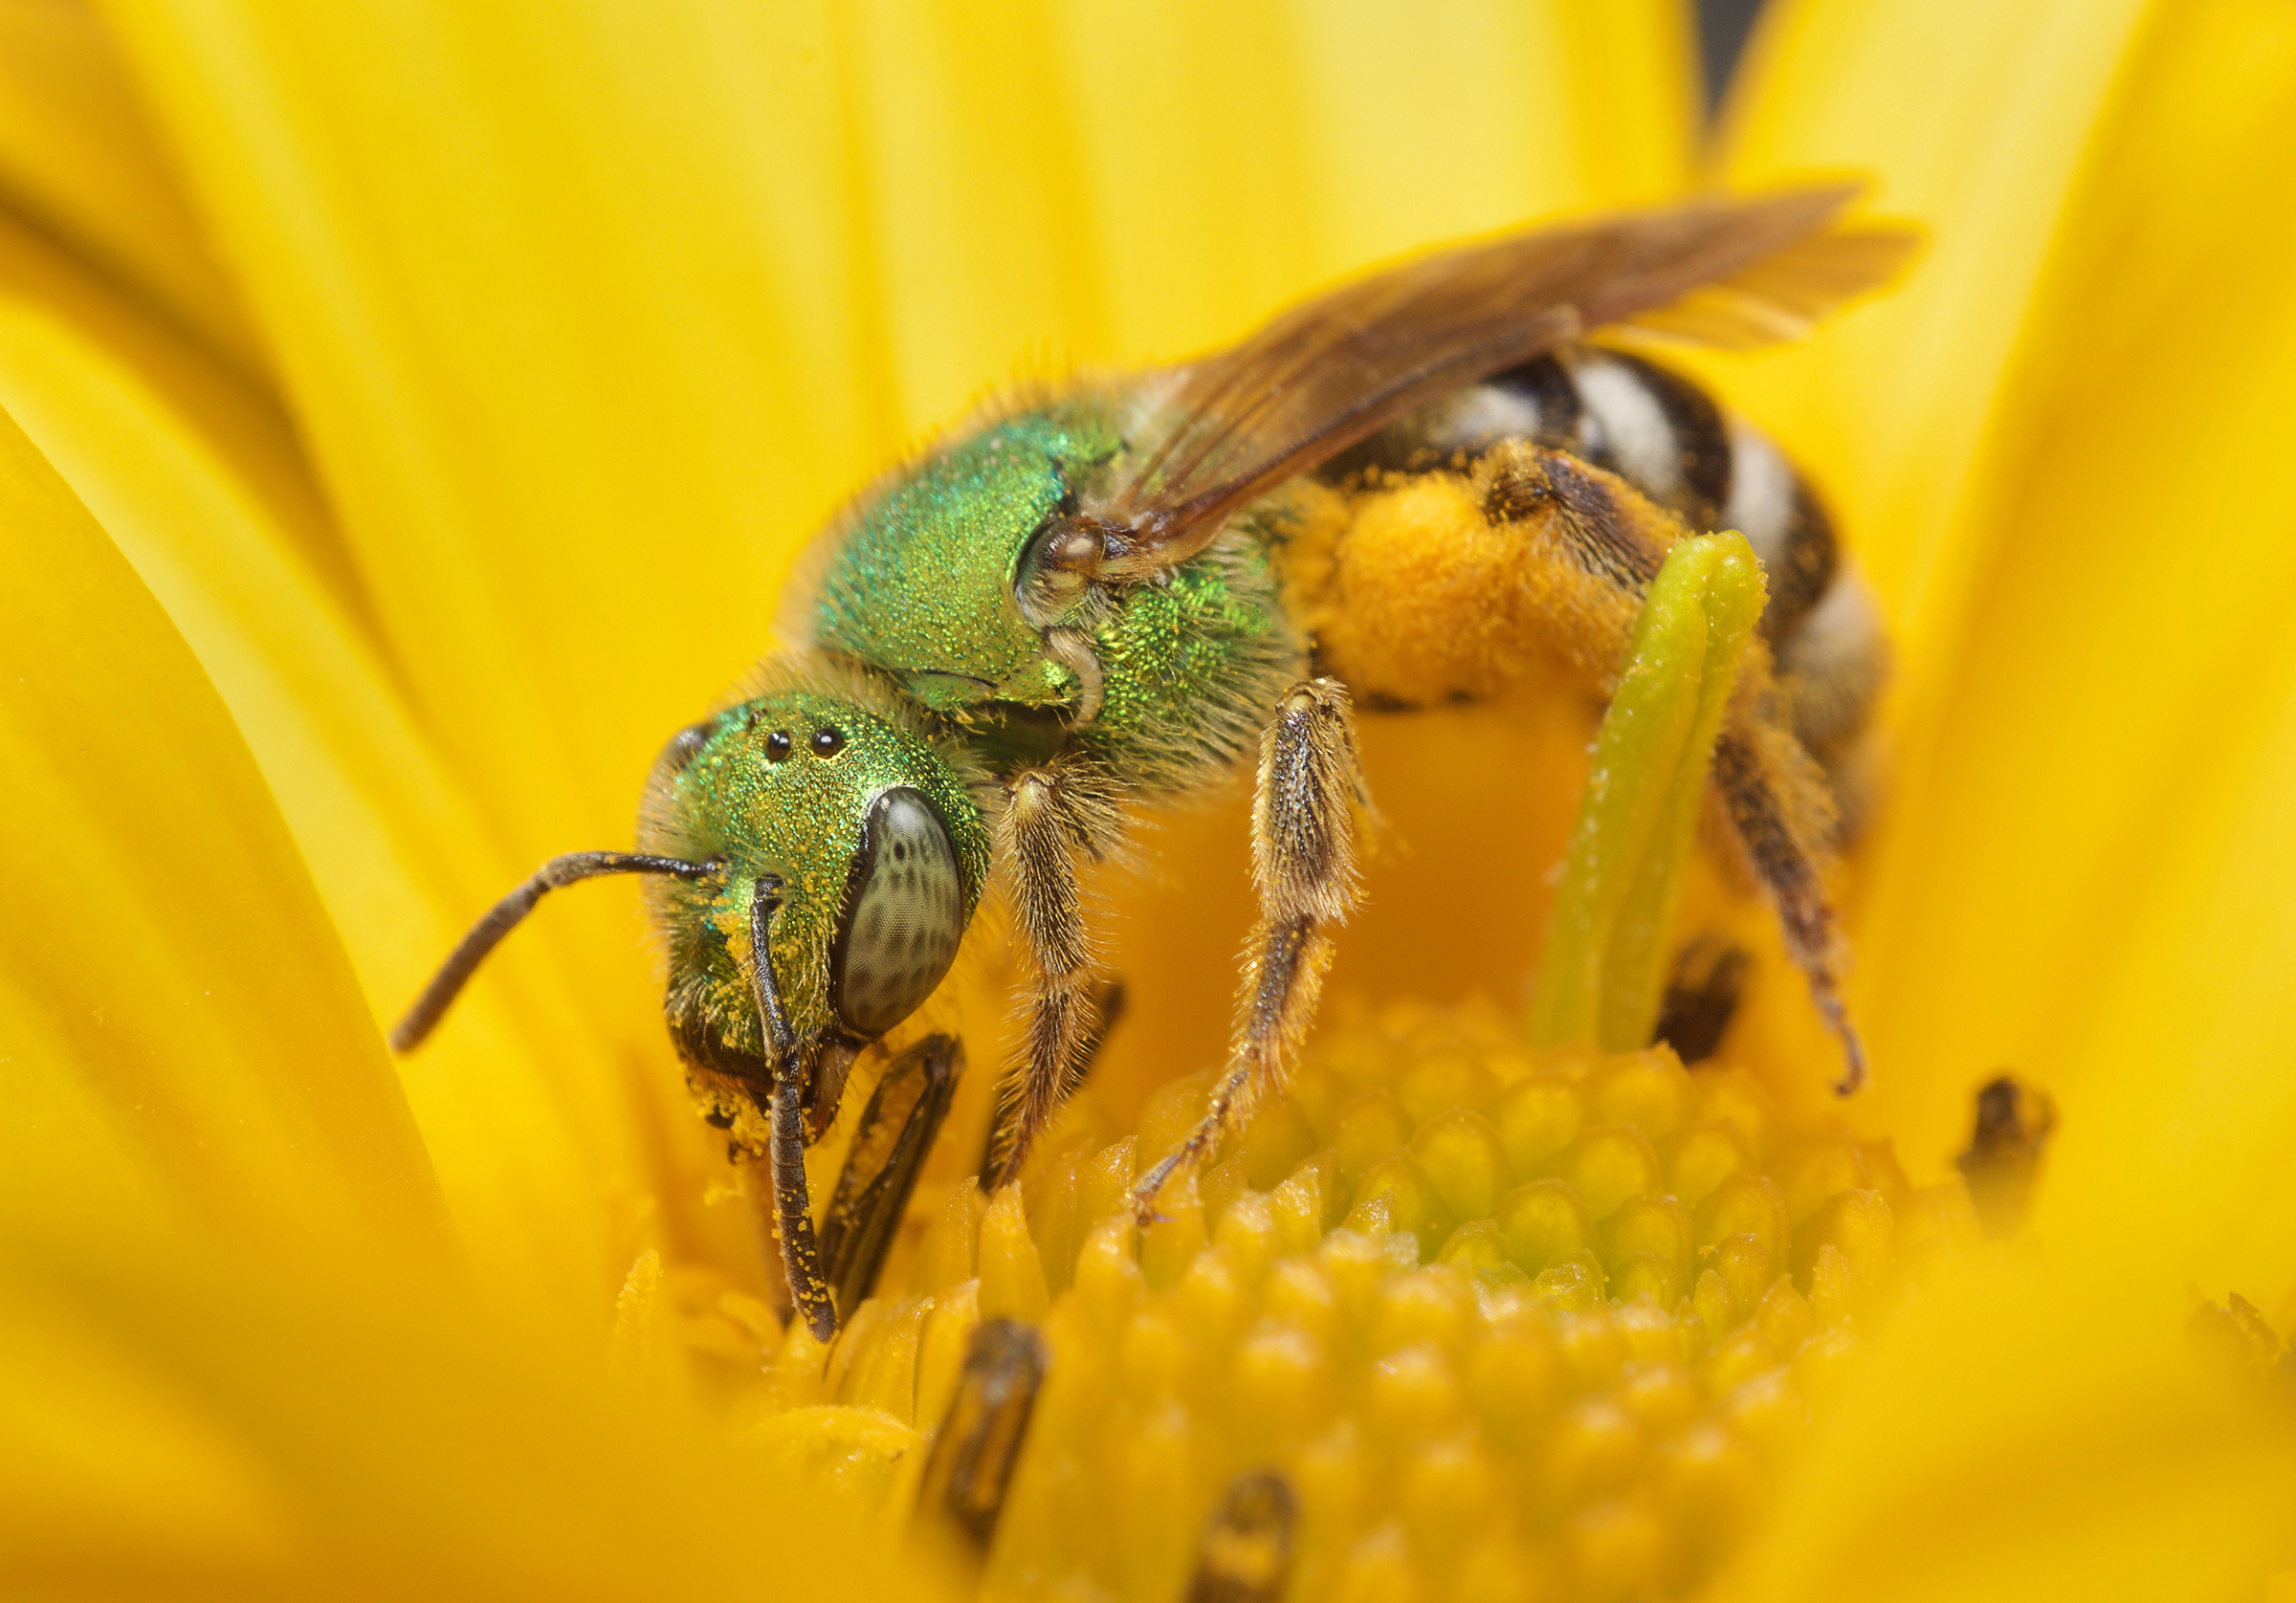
(1665, 436)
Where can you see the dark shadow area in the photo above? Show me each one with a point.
(1722, 29)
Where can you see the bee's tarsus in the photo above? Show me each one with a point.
(1853, 1056)
(420, 1019)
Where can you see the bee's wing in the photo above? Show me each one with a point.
(1325, 375)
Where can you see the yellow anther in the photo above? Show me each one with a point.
(1594, 1448)
(1012, 1278)
(1571, 1282)
(1301, 1290)
(1608, 1164)
(1444, 1082)
(1210, 1298)
(940, 1352)
(1432, 1305)
(1701, 1157)
(1647, 1277)
(1514, 1380)
(1278, 1138)
(1153, 1356)
(1463, 1156)
(1649, 1333)
(1651, 1090)
(1449, 1492)
(1372, 1124)
(1413, 1393)
(1744, 1269)
(1396, 1194)
(1592, 1345)
(1479, 1244)
(1769, 1411)
(1744, 1205)
(1545, 1222)
(1652, 1226)
(1537, 1119)
(1811, 1171)
(884, 1377)
(1247, 1232)
(948, 1252)
(1282, 1384)
(1167, 1246)
(1618, 1550)
(1785, 1317)
(1508, 1322)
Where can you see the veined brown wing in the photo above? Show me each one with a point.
(1327, 374)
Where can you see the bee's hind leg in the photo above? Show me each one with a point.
(1303, 860)
(1783, 817)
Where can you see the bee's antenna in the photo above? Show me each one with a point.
(487, 934)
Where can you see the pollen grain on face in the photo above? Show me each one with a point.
(1453, 1316)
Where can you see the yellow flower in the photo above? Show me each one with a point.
(415, 412)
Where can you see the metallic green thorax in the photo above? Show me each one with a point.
(922, 584)
(1190, 668)
(921, 587)
(716, 792)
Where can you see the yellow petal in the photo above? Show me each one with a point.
(532, 1127)
(282, 1427)
(78, 160)
(2010, 1441)
(2119, 633)
(2173, 1163)
(179, 1020)
(1975, 129)
(566, 305)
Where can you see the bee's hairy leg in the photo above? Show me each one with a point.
(1303, 863)
(785, 1120)
(1107, 1009)
(890, 1146)
(1781, 814)
(1049, 814)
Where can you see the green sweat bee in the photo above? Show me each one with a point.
(1120, 590)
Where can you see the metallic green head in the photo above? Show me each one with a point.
(921, 582)
(873, 831)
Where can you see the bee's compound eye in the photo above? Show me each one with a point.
(903, 916)
(685, 746)
(828, 742)
(777, 745)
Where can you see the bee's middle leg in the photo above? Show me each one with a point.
(1303, 851)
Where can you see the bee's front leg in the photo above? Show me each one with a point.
(785, 1118)
(1050, 813)
(890, 1146)
(1303, 863)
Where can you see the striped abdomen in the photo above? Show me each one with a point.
(1666, 437)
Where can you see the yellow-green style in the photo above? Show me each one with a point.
(1607, 935)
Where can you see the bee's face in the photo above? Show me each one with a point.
(922, 585)
(878, 848)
